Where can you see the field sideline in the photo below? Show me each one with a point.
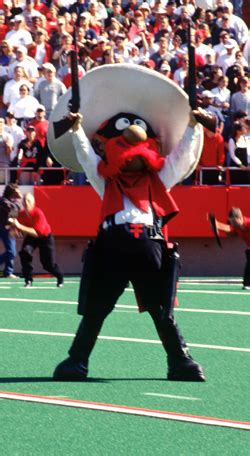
(126, 406)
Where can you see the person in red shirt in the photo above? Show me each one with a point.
(40, 123)
(213, 155)
(33, 224)
(239, 225)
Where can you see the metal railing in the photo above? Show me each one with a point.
(36, 177)
(228, 176)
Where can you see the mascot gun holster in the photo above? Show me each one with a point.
(172, 264)
(88, 261)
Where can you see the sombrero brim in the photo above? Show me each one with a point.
(107, 90)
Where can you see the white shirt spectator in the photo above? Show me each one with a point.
(25, 107)
(17, 135)
(220, 49)
(179, 76)
(221, 95)
(19, 36)
(11, 90)
(30, 66)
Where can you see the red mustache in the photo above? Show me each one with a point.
(119, 152)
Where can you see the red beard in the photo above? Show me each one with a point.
(118, 153)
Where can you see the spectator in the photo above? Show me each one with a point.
(24, 108)
(11, 91)
(30, 155)
(19, 36)
(52, 15)
(239, 58)
(180, 75)
(60, 53)
(29, 64)
(238, 116)
(97, 53)
(220, 49)
(98, 13)
(78, 7)
(207, 98)
(56, 35)
(6, 144)
(116, 14)
(226, 59)
(17, 135)
(89, 34)
(162, 53)
(235, 73)
(237, 147)
(222, 95)
(241, 100)
(224, 26)
(84, 59)
(49, 90)
(41, 7)
(41, 51)
(7, 56)
(237, 24)
(201, 48)
(213, 155)
(29, 12)
(10, 204)
(212, 81)
(38, 23)
(33, 224)
(239, 225)
(41, 124)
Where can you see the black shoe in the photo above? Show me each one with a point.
(186, 369)
(70, 370)
(28, 284)
(60, 282)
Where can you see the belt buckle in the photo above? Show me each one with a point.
(136, 229)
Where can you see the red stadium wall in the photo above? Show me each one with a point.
(74, 211)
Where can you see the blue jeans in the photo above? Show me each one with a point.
(9, 255)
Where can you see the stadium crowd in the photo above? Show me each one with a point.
(36, 37)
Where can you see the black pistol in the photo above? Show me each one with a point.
(63, 125)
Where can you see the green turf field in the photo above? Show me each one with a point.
(127, 370)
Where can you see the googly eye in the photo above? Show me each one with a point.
(122, 123)
(141, 124)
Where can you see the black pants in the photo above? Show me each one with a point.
(246, 278)
(120, 257)
(46, 246)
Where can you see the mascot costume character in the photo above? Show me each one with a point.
(135, 137)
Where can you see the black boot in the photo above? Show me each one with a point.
(70, 370)
(75, 368)
(181, 366)
(184, 368)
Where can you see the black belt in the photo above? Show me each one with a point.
(138, 230)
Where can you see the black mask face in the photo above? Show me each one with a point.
(117, 124)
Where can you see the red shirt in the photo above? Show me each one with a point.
(244, 231)
(41, 127)
(36, 219)
(213, 152)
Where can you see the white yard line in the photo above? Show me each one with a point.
(44, 301)
(122, 339)
(172, 396)
(162, 414)
(49, 312)
(242, 293)
(127, 306)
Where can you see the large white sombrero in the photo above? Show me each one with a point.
(107, 90)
